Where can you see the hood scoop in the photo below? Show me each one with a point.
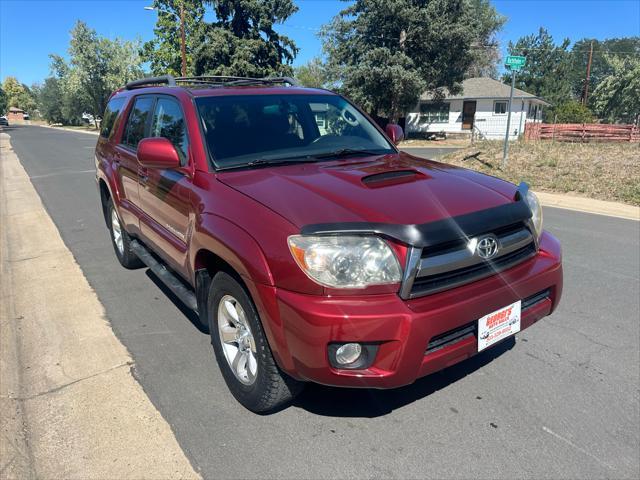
(392, 177)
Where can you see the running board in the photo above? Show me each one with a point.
(172, 282)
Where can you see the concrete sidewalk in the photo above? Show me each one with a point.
(589, 205)
(70, 406)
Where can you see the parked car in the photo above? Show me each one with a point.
(311, 248)
(4, 122)
(26, 116)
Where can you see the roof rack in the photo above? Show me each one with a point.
(229, 81)
(209, 80)
(146, 82)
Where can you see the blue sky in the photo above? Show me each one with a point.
(31, 29)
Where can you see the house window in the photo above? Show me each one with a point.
(434, 112)
(533, 111)
(500, 107)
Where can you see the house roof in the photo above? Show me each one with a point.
(484, 87)
(15, 110)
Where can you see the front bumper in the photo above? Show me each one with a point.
(302, 326)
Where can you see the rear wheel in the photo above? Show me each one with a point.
(242, 350)
(121, 240)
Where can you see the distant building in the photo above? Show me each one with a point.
(15, 114)
(480, 108)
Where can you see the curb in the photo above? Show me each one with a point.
(588, 205)
(70, 405)
(67, 129)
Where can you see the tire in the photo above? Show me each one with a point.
(264, 389)
(121, 240)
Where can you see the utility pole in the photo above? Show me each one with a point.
(588, 77)
(505, 152)
(183, 46)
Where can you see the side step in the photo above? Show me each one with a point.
(177, 286)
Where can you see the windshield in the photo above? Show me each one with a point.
(264, 129)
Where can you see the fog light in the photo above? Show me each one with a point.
(348, 353)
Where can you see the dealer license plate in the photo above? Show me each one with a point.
(498, 325)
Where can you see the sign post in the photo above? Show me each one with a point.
(513, 63)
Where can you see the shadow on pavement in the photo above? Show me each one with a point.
(362, 402)
(369, 403)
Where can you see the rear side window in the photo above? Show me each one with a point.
(109, 118)
(168, 122)
(136, 125)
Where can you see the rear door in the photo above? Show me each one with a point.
(125, 159)
(165, 194)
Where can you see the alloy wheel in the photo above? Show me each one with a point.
(116, 231)
(237, 341)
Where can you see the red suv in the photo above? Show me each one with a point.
(311, 248)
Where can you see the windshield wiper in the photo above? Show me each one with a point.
(345, 152)
(260, 162)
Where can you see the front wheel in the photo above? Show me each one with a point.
(242, 350)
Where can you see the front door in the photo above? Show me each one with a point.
(468, 114)
(165, 194)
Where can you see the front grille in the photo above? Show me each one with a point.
(471, 329)
(455, 278)
(453, 264)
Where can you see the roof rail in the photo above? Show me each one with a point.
(145, 82)
(228, 80)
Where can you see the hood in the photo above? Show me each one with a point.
(394, 188)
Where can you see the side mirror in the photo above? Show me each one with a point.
(157, 152)
(394, 132)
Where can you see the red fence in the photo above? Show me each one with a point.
(582, 132)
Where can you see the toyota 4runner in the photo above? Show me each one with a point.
(311, 248)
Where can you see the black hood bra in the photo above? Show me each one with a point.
(439, 231)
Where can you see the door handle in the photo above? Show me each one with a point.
(116, 157)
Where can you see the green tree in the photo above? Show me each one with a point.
(573, 112)
(617, 96)
(313, 74)
(387, 53)
(243, 42)
(546, 72)
(163, 52)
(600, 64)
(18, 95)
(97, 66)
(485, 48)
(50, 101)
(73, 100)
(3, 101)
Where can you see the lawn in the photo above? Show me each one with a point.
(605, 171)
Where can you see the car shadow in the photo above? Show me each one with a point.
(370, 403)
(362, 402)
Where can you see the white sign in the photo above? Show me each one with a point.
(498, 325)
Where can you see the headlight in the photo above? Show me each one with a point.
(536, 211)
(345, 261)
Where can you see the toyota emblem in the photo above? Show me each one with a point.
(487, 247)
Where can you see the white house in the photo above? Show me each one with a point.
(480, 108)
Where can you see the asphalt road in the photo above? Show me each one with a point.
(562, 402)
